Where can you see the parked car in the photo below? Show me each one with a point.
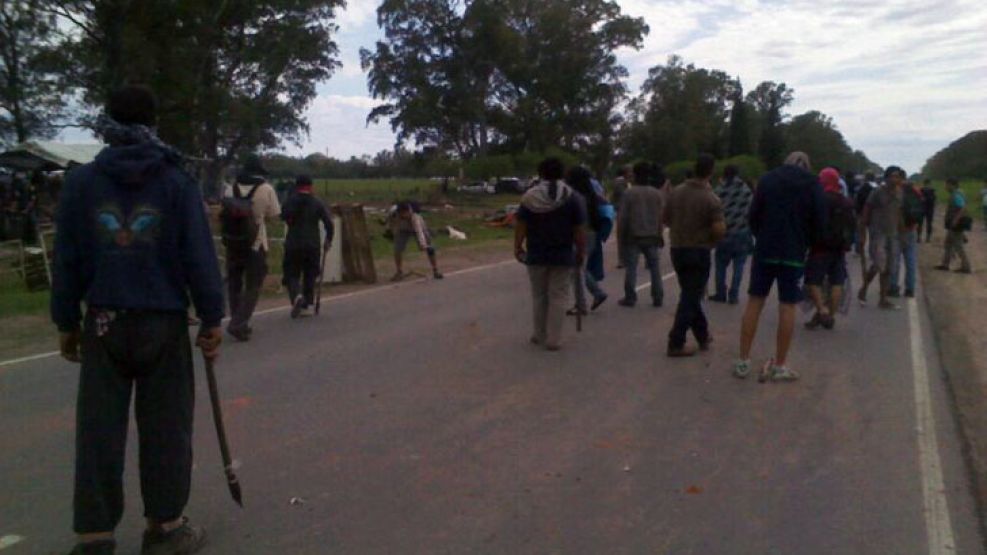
(509, 185)
(478, 188)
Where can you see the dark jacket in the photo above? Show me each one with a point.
(302, 213)
(788, 215)
(132, 233)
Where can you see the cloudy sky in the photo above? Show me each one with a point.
(901, 78)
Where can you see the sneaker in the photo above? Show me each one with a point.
(895, 293)
(964, 271)
(627, 302)
(101, 547)
(598, 301)
(742, 369)
(437, 274)
(553, 348)
(297, 306)
(828, 322)
(184, 540)
(783, 374)
(398, 276)
(733, 300)
(575, 311)
(656, 303)
(942, 267)
(888, 305)
(240, 334)
(718, 298)
(765, 372)
(909, 294)
(707, 344)
(681, 352)
(862, 296)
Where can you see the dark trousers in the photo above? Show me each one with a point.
(245, 274)
(927, 222)
(692, 267)
(152, 351)
(301, 268)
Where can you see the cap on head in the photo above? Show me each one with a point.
(303, 181)
(133, 105)
(799, 159)
(253, 166)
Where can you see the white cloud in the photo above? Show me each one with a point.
(901, 78)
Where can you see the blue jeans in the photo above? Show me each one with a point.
(585, 276)
(734, 248)
(651, 251)
(908, 251)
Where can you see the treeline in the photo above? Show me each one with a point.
(965, 158)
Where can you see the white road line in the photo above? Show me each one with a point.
(10, 541)
(285, 308)
(665, 277)
(938, 527)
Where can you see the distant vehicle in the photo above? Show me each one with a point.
(510, 185)
(478, 188)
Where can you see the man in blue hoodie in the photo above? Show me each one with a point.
(133, 244)
(787, 215)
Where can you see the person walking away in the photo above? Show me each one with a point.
(734, 249)
(983, 202)
(549, 239)
(957, 224)
(883, 223)
(913, 211)
(405, 222)
(133, 244)
(860, 201)
(620, 186)
(304, 247)
(247, 205)
(787, 216)
(827, 257)
(641, 230)
(695, 217)
(929, 211)
(580, 180)
(608, 215)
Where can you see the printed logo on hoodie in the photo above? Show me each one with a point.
(141, 225)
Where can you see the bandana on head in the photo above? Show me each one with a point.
(115, 133)
(830, 179)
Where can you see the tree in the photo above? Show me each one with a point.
(740, 127)
(770, 99)
(230, 75)
(484, 77)
(964, 157)
(31, 98)
(682, 110)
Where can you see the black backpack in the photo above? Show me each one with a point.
(237, 223)
(913, 206)
(841, 223)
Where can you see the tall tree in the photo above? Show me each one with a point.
(770, 99)
(474, 76)
(740, 126)
(682, 110)
(31, 98)
(231, 75)
(815, 134)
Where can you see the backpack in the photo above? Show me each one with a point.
(913, 206)
(236, 219)
(841, 223)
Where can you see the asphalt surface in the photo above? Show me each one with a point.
(418, 419)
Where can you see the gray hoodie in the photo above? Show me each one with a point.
(540, 200)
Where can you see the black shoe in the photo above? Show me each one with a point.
(681, 352)
(718, 298)
(184, 540)
(101, 547)
(942, 267)
(910, 294)
(597, 302)
(814, 323)
(298, 306)
(707, 344)
(828, 322)
(576, 312)
(627, 302)
(240, 334)
(894, 293)
(964, 271)
(733, 300)
(656, 303)
(437, 274)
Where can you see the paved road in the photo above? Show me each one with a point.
(417, 419)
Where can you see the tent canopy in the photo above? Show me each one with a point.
(48, 156)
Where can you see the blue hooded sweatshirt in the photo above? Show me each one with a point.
(787, 215)
(132, 233)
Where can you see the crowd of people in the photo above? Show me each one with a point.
(134, 245)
